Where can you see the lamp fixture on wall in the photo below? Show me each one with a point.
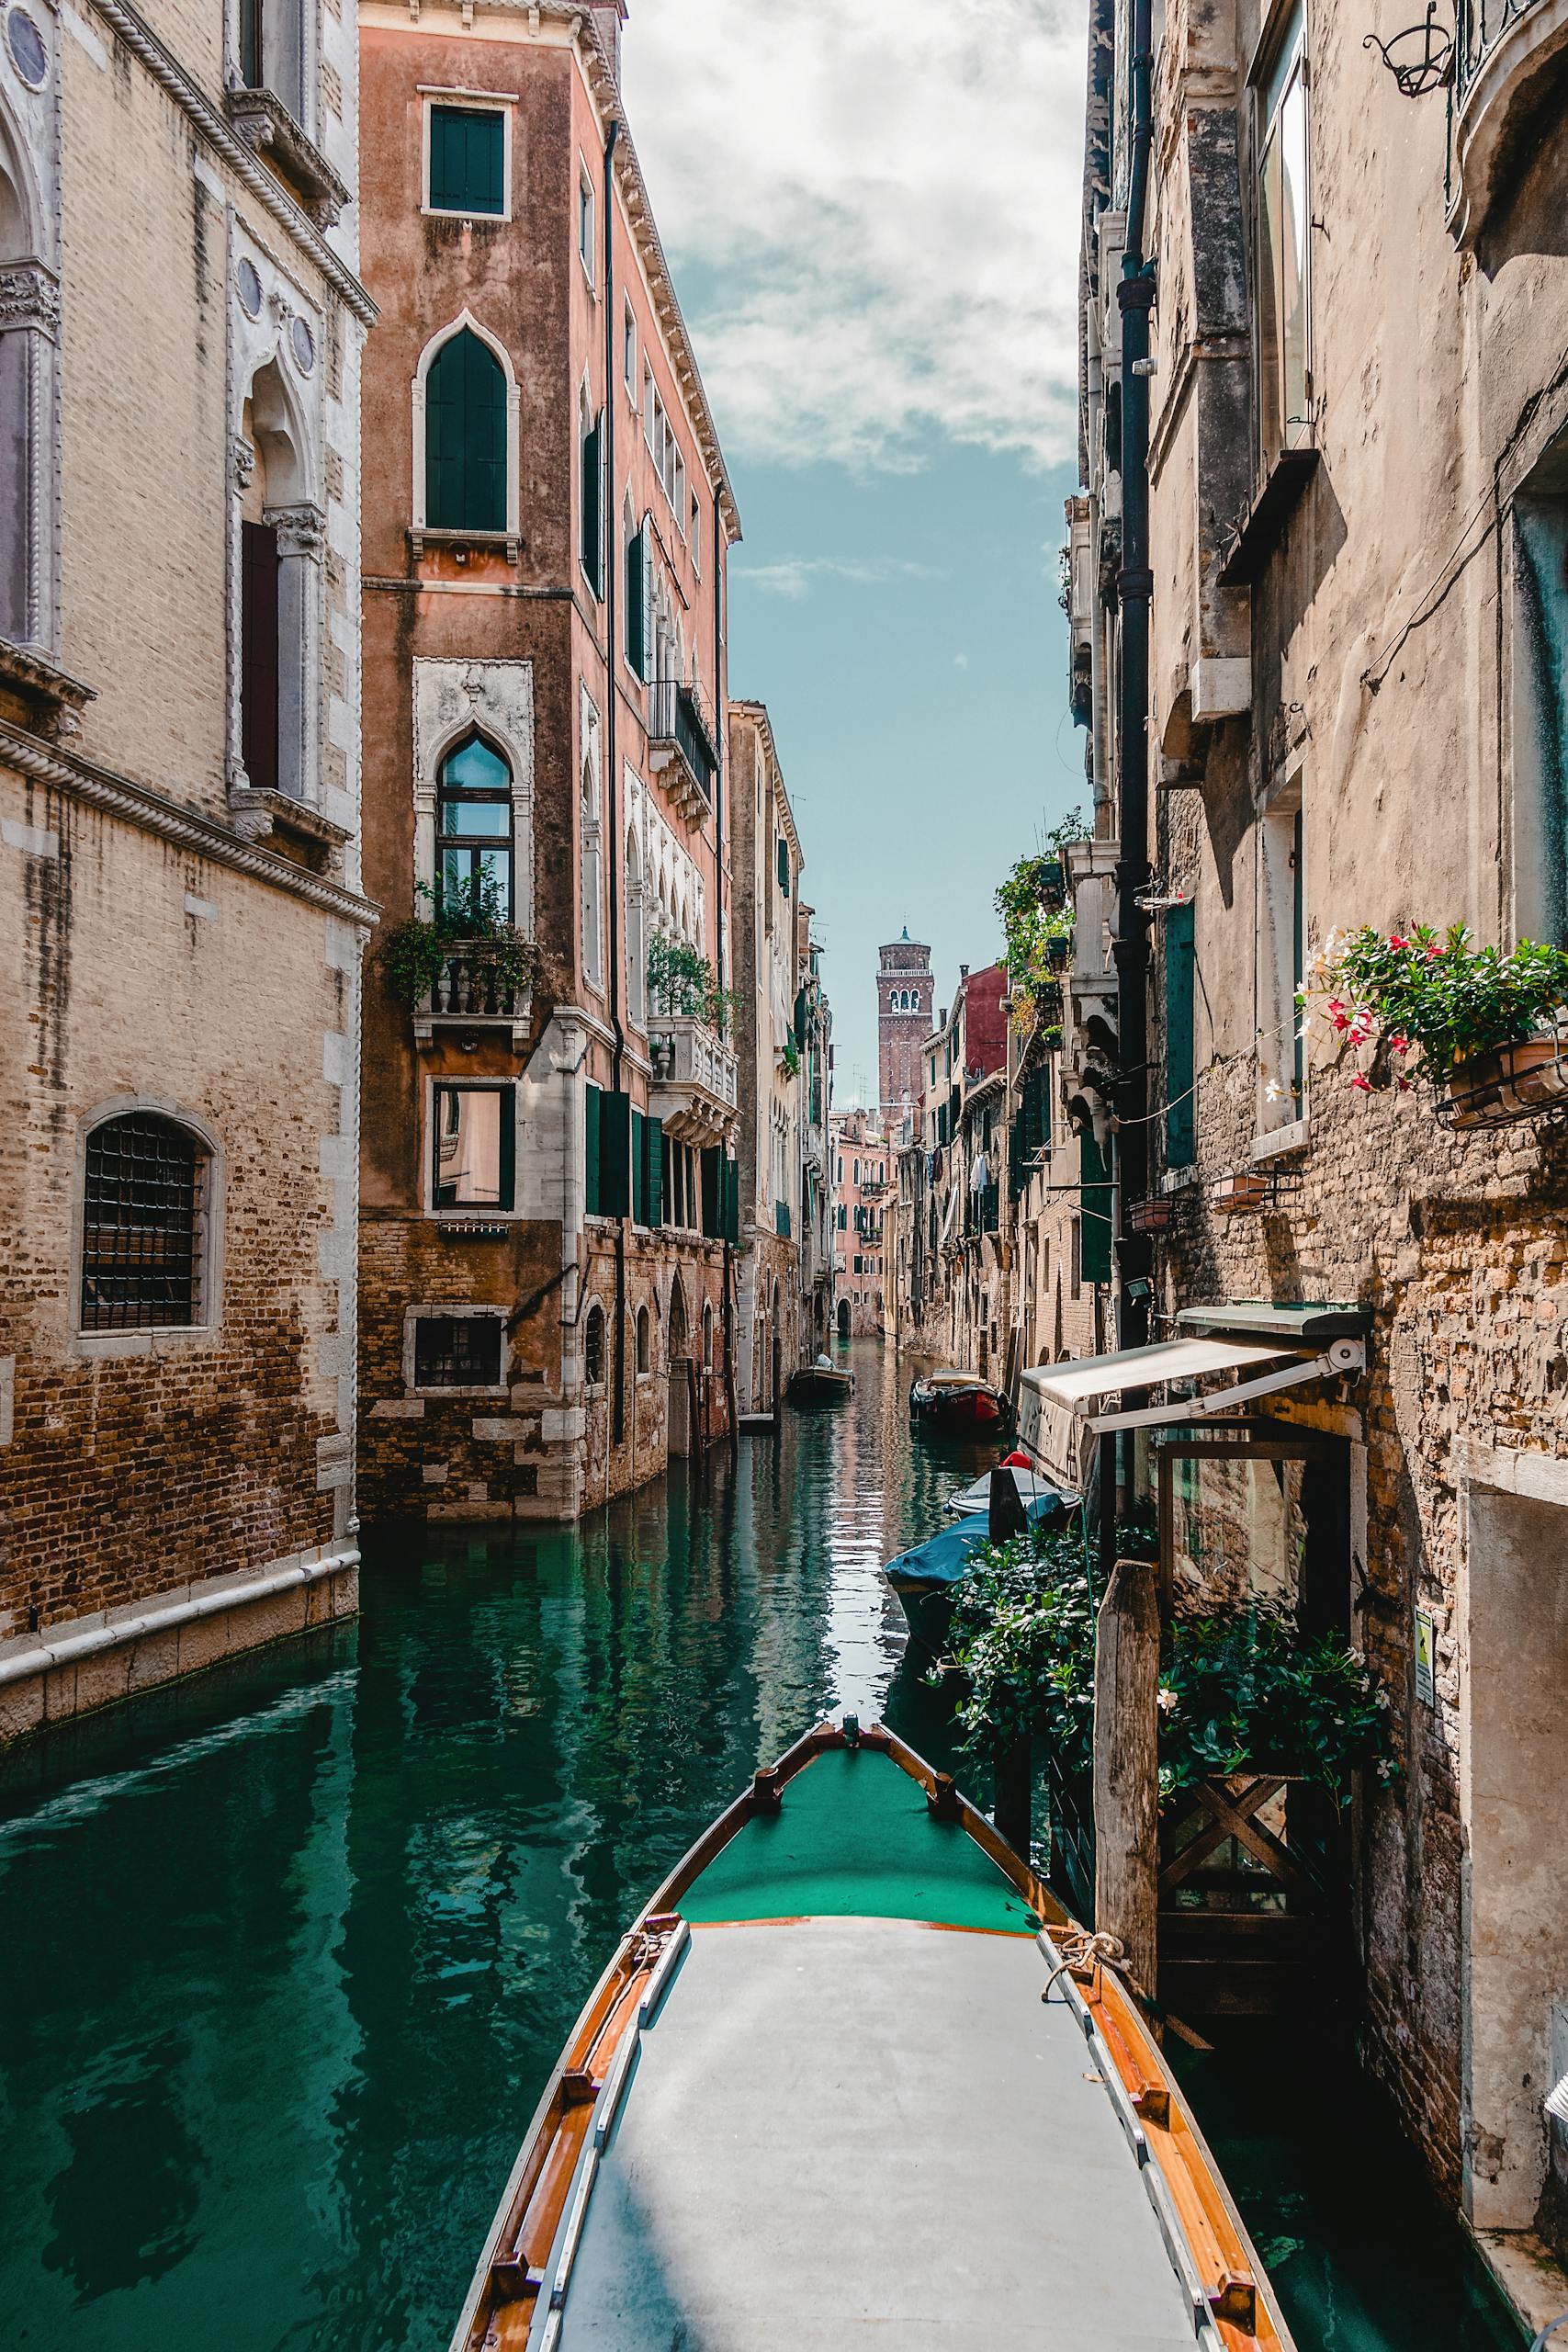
(1420, 58)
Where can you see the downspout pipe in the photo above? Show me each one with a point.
(608, 510)
(1130, 949)
(720, 965)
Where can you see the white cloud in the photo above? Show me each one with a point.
(884, 202)
(794, 574)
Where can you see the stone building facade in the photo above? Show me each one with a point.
(862, 1178)
(906, 997)
(772, 973)
(1357, 454)
(550, 1183)
(181, 324)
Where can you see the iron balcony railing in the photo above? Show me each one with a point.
(678, 719)
(1479, 25)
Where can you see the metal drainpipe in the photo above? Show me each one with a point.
(1134, 296)
(612, 795)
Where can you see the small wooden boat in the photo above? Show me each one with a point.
(821, 1383)
(792, 2115)
(959, 1404)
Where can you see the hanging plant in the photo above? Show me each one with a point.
(1036, 926)
(1430, 993)
(413, 955)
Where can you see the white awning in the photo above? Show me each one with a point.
(1060, 1401)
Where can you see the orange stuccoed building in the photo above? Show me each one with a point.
(548, 1187)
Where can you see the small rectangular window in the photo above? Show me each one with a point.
(467, 167)
(585, 225)
(1282, 228)
(697, 533)
(1281, 955)
(628, 349)
(457, 1351)
(474, 1146)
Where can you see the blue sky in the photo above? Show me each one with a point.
(872, 214)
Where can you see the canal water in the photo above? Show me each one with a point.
(287, 1955)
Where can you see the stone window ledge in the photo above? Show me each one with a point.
(1262, 526)
(157, 1339)
(52, 701)
(1276, 1141)
(425, 536)
(269, 130)
(257, 814)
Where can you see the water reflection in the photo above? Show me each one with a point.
(285, 1957)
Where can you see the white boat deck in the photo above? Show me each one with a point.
(864, 2131)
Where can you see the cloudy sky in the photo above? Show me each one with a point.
(872, 211)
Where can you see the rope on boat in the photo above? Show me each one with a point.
(1082, 1947)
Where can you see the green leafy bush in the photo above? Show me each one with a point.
(1033, 919)
(1241, 1690)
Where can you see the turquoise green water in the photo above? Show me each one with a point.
(285, 1956)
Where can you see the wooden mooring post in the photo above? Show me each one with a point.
(1126, 1766)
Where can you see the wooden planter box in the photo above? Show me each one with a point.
(1153, 1215)
(1244, 1193)
(1516, 1082)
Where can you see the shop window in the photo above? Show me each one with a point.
(467, 161)
(457, 1350)
(473, 843)
(1282, 228)
(465, 438)
(474, 1146)
(143, 1209)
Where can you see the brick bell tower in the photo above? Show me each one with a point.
(905, 994)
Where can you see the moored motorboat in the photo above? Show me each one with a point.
(821, 1383)
(959, 1404)
(926, 1578)
(790, 2114)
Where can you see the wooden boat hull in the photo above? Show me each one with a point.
(977, 1413)
(790, 2112)
(818, 1385)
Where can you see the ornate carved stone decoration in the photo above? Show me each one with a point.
(269, 130)
(301, 530)
(30, 297)
(245, 462)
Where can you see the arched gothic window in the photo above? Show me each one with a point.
(473, 833)
(144, 1217)
(281, 537)
(644, 1340)
(465, 438)
(27, 355)
(637, 934)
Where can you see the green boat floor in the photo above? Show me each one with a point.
(853, 1838)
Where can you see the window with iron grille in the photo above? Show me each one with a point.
(457, 1351)
(141, 1225)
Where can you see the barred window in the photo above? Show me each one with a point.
(593, 1347)
(141, 1225)
(457, 1351)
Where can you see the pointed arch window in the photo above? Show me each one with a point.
(465, 438)
(473, 833)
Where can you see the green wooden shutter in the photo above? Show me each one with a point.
(639, 1169)
(712, 1193)
(636, 602)
(465, 438)
(1094, 1173)
(1182, 1122)
(593, 504)
(467, 161)
(731, 1200)
(653, 1181)
(615, 1155)
(592, 1098)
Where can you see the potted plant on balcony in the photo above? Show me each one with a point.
(465, 944)
(1490, 1028)
(1037, 926)
(681, 984)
